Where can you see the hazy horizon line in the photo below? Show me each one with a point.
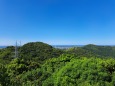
(70, 44)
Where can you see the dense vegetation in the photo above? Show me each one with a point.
(40, 64)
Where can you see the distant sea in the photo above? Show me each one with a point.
(2, 47)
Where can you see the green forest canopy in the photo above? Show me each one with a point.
(40, 64)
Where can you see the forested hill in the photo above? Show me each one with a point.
(93, 50)
(40, 64)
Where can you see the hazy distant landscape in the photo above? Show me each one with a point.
(63, 46)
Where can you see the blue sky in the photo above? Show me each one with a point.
(57, 21)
